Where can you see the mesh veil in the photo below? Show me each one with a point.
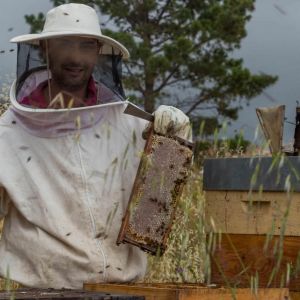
(32, 70)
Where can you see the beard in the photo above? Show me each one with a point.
(71, 77)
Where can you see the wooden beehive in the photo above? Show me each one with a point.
(161, 175)
(192, 292)
(52, 294)
(252, 220)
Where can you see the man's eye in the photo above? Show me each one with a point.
(89, 45)
(65, 43)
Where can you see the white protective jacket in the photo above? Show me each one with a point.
(67, 176)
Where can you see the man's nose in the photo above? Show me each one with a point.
(75, 53)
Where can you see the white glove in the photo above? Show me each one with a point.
(170, 121)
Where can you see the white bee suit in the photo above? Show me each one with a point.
(68, 175)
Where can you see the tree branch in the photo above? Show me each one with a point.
(162, 11)
(159, 43)
(138, 86)
(165, 81)
(201, 100)
(207, 107)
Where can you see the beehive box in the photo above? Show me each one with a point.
(193, 292)
(161, 175)
(252, 208)
(51, 294)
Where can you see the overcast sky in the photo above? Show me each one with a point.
(12, 24)
(272, 46)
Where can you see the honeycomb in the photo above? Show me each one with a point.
(162, 173)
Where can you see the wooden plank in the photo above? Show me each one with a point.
(235, 258)
(52, 294)
(190, 292)
(258, 213)
(237, 294)
(149, 292)
(294, 295)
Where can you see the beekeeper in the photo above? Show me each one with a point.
(69, 156)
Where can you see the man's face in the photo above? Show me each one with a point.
(71, 61)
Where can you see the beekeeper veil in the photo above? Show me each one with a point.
(46, 68)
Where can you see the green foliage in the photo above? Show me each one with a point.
(36, 22)
(204, 125)
(238, 142)
(228, 147)
(181, 52)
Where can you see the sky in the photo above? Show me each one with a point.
(271, 46)
(12, 23)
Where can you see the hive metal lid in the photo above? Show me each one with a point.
(255, 173)
(272, 120)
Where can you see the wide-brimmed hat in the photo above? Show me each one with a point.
(73, 20)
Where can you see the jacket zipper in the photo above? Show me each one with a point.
(92, 218)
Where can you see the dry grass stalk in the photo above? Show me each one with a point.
(184, 259)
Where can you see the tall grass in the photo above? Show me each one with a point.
(186, 259)
(185, 256)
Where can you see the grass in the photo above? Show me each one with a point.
(184, 259)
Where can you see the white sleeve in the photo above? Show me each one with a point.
(4, 203)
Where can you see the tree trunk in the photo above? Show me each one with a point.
(149, 103)
(149, 97)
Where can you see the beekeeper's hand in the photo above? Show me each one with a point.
(170, 121)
